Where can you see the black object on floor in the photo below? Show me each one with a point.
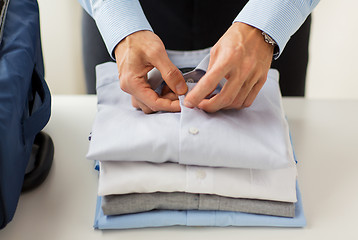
(42, 154)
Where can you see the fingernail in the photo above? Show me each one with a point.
(181, 88)
(188, 104)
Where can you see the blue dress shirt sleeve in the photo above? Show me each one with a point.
(278, 18)
(116, 19)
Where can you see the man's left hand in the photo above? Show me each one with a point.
(242, 57)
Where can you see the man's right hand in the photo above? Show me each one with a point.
(136, 55)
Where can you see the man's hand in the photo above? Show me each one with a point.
(243, 58)
(136, 55)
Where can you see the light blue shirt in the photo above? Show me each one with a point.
(256, 137)
(117, 19)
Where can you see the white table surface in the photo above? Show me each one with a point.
(324, 135)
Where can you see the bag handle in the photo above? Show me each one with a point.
(40, 116)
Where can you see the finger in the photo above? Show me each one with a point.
(171, 96)
(171, 74)
(174, 102)
(253, 93)
(135, 103)
(240, 98)
(143, 93)
(234, 92)
(145, 108)
(244, 93)
(224, 98)
(151, 99)
(204, 87)
(167, 93)
(140, 106)
(168, 104)
(166, 90)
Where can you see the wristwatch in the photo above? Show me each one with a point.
(272, 42)
(269, 39)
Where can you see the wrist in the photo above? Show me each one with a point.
(257, 37)
(132, 41)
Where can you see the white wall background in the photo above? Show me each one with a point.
(61, 45)
(333, 64)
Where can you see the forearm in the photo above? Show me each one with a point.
(116, 19)
(278, 18)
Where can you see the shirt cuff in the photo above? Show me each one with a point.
(280, 19)
(118, 19)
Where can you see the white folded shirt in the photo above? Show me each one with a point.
(145, 177)
(256, 137)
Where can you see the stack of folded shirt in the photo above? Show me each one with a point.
(230, 168)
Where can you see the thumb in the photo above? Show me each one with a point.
(171, 75)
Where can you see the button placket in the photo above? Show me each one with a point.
(188, 132)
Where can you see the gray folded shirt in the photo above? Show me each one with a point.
(142, 202)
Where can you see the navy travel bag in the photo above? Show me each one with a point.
(25, 104)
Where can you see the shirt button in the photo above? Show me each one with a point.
(201, 174)
(193, 130)
(190, 80)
